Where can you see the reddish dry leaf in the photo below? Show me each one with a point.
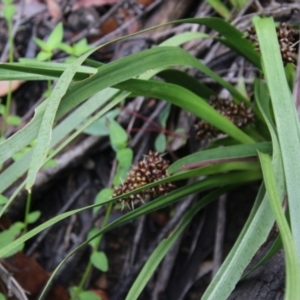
(54, 9)
(87, 3)
(110, 25)
(145, 2)
(5, 85)
(102, 294)
(32, 277)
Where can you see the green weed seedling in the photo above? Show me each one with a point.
(75, 50)
(9, 11)
(52, 43)
(55, 42)
(16, 229)
(10, 119)
(160, 143)
(98, 259)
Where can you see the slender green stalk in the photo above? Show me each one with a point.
(9, 93)
(95, 248)
(10, 41)
(27, 211)
(7, 110)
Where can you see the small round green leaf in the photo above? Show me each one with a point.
(2, 297)
(44, 56)
(42, 44)
(88, 295)
(99, 127)
(81, 47)
(56, 36)
(118, 136)
(49, 164)
(99, 260)
(93, 243)
(160, 143)
(2, 109)
(163, 116)
(66, 48)
(124, 157)
(3, 200)
(8, 12)
(13, 120)
(33, 216)
(9, 235)
(103, 195)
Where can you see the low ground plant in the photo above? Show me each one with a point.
(261, 143)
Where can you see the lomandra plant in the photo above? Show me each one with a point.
(272, 142)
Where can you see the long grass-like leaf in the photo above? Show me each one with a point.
(287, 124)
(181, 78)
(162, 249)
(238, 178)
(77, 94)
(45, 131)
(292, 290)
(63, 129)
(109, 75)
(35, 70)
(256, 229)
(211, 182)
(229, 152)
(276, 246)
(187, 100)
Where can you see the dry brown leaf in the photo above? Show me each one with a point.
(54, 9)
(87, 3)
(102, 294)
(5, 85)
(32, 277)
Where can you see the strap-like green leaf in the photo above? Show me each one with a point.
(287, 122)
(292, 290)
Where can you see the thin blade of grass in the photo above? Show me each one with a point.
(236, 151)
(165, 245)
(35, 70)
(276, 246)
(211, 182)
(184, 37)
(217, 167)
(220, 8)
(181, 78)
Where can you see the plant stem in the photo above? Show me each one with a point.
(27, 211)
(95, 248)
(10, 41)
(7, 110)
(9, 93)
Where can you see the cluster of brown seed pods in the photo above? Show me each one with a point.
(238, 114)
(286, 39)
(152, 168)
